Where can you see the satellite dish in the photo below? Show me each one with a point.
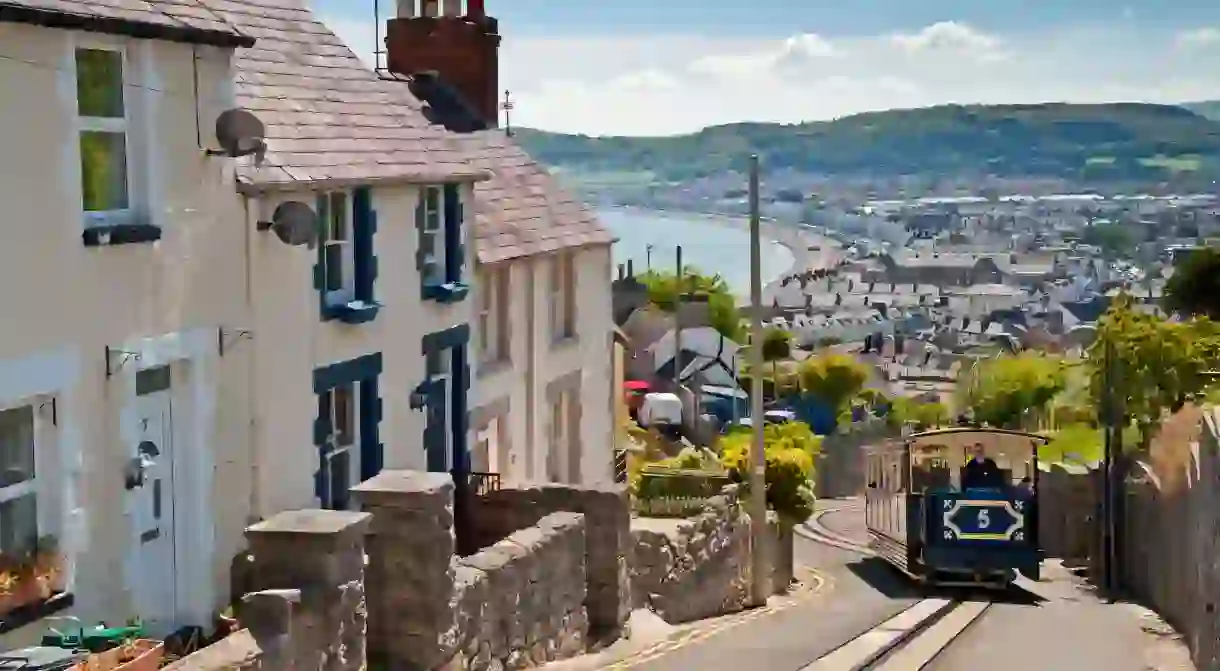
(293, 222)
(239, 133)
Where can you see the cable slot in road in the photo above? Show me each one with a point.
(908, 641)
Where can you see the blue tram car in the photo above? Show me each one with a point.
(956, 507)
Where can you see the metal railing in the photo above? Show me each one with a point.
(484, 483)
(620, 465)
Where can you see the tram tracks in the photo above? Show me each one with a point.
(814, 530)
(908, 641)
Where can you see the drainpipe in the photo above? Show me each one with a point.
(252, 363)
(531, 366)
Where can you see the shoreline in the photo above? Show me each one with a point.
(793, 238)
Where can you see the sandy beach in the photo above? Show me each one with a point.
(795, 238)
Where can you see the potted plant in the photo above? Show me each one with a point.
(49, 565)
(8, 588)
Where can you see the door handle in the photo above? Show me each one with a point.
(156, 493)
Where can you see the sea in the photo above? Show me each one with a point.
(708, 245)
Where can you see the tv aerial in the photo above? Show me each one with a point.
(239, 133)
(294, 223)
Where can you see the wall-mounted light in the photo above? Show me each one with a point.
(226, 337)
(117, 358)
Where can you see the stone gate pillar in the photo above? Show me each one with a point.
(310, 563)
(410, 571)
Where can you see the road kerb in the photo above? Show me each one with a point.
(817, 584)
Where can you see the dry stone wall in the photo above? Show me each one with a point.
(607, 515)
(520, 602)
(696, 567)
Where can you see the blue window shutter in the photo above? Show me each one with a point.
(461, 390)
(423, 244)
(363, 226)
(434, 428)
(321, 432)
(453, 233)
(372, 452)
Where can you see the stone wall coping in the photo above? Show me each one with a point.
(238, 650)
(386, 488)
(320, 526)
(603, 488)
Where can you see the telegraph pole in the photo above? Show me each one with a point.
(758, 482)
(680, 279)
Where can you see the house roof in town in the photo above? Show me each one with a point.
(522, 210)
(190, 21)
(330, 119)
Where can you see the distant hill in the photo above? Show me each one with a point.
(1087, 143)
(1207, 108)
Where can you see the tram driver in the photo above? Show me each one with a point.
(981, 472)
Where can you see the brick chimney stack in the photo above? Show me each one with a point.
(455, 39)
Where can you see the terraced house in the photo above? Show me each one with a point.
(247, 273)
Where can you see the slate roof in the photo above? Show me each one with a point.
(329, 117)
(522, 209)
(191, 21)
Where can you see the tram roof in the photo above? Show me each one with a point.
(976, 429)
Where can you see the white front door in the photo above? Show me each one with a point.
(152, 496)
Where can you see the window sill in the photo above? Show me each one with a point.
(353, 312)
(564, 342)
(449, 292)
(491, 368)
(120, 234)
(30, 613)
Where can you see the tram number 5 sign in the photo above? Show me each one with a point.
(981, 520)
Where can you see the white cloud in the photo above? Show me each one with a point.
(946, 36)
(1198, 38)
(678, 83)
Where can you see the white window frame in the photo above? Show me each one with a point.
(338, 444)
(347, 292)
(127, 215)
(46, 474)
(435, 227)
(563, 304)
(493, 315)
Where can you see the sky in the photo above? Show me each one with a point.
(651, 67)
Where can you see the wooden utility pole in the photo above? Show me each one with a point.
(758, 481)
(678, 319)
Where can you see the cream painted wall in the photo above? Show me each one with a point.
(163, 302)
(291, 341)
(245, 420)
(534, 362)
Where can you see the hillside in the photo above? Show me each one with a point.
(1207, 108)
(1087, 143)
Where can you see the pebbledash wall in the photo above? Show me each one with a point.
(553, 577)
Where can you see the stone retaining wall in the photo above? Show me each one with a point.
(520, 602)
(607, 515)
(696, 567)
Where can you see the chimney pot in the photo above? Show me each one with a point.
(406, 9)
(431, 8)
(451, 7)
(475, 9)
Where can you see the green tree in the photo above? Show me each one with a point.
(776, 346)
(1002, 392)
(791, 449)
(664, 289)
(1194, 288)
(834, 379)
(1142, 366)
